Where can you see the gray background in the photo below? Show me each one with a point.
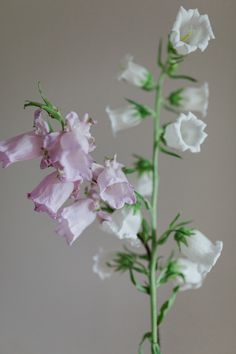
(50, 301)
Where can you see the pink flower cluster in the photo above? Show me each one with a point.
(68, 153)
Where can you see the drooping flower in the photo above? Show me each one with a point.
(101, 262)
(187, 133)
(74, 219)
(68, 151)
(190, 31)
(123, 118)
(51, 194)
(191, 99)
(135, 74)
(113, 185)
(143, 184)
(124, 223)
(193, 276)
(202, 251)
(25, 146)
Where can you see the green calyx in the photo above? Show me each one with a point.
(52, 111)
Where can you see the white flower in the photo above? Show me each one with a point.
(124, 223)
(190, 31)
(195, 99)
(134, 73)
(193, 275)
(143, 184)
(202, 251)
(100, 263)
(187, 133)
(123, 118)
(201, 255)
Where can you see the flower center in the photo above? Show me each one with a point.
(186, 37)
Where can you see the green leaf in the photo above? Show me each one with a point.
(142, 288)
(145, 337)
(167, 306)
(140, 199)
(144, 111)
(183, 77)
(174, 220)
(159, 54)
(170, 153)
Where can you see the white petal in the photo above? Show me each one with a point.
(124, 223)
(193, 275)
(187, 133)
(123, 118)
(143, 184)
(133, 73)
(202, 251)
(100, 263)
(195, 99)
(190, 31)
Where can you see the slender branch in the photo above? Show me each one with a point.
(153, 259)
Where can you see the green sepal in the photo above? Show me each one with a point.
(168, 152)
(182, 234)
(142, 288)
(142, 164)
(183, 77)
(145, 233)
(159, 55)
(141, 199)
(143, 110)
(167, 306)
(128, 170)
(175, 97)
(149, 84)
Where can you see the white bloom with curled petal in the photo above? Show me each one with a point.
(187, 133)
(133, 73)
(124, 223)
(191, 31)
(193, 276)
(101, 262)
(202, 251)
(195, 99)
(123, 118)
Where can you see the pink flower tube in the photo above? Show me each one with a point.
(114, 187)
(25, 146)
(75, 218)
(51, 194)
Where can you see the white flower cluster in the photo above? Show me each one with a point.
(191, 31)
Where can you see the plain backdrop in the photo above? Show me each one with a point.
(50, 301)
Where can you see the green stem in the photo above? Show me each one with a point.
(153, 259)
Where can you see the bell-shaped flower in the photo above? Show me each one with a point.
(202, 251)
(101, 262)
(51, 194)
(191, 99)
(187, 133)
(143, 184)
(191, 31)
(74, 219)
(123, 118)
(114, 187)
(135, 74)
(68, 151)
(124, 223)
(25, 146)
(193, 275)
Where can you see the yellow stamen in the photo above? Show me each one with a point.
(186, 37)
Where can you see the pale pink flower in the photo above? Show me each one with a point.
(51, 194)
(74, 219)
(68, 151)
(25, 146)
(113, 185)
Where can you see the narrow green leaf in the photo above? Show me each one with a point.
(138, 286)
(159, 54)
(145, 337)
(167, 306)
(144, 111)
(183, 77)
(170, 153)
